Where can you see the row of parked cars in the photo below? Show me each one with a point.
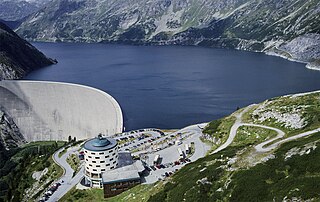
(139, 131)
(50, 191)
(138, 141)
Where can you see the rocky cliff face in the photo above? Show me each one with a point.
(13, 10)
(10, 135)
(305, 48)
(17, 56)
(242, 24)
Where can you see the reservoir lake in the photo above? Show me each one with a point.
(175, 86)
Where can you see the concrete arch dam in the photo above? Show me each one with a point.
(52, 111)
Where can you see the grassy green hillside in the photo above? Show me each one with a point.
(294, 172)
(18, 164)
(293, 113)
(217, 131)
(290, 172)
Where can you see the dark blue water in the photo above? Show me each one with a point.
(171, 87)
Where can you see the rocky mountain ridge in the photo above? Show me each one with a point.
(273, 27)
(10, 135)
(17, 56)
(14, 10)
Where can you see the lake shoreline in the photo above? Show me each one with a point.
(175, 86)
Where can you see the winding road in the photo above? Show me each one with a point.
(70, 181)
(262, 146)
(67, 177)
(233, 131)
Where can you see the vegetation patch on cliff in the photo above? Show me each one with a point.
(292, 113)
(18, 164)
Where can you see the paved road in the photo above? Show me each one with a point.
(276, 144)
(69, 181)
(262, 146)
(233, 131)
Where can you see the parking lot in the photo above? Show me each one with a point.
(138, 140)
(146, 144)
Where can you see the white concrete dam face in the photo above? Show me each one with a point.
(53, 111)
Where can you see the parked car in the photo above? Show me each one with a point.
(147, 168)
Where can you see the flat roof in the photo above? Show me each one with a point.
(123, 174)
(100, 143)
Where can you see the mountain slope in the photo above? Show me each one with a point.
(13, 10)
(241, 172)
(10, 135)
(242, 24)
(17, 56)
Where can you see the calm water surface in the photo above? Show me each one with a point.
(172, 87)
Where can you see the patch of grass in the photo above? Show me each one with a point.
(278, 178)
(212, 127)
(19, 164)
(42, 190)
(248, 135)
(62, 152)
(139, 193)
(219, 130)
(74, 161)
(68, 145)
(83, 195)
(198, 181)
(307, 106)
(247, 117)
(209, 180)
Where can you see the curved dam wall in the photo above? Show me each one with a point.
(53, 111)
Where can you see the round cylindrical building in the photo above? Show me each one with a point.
(101, 155)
